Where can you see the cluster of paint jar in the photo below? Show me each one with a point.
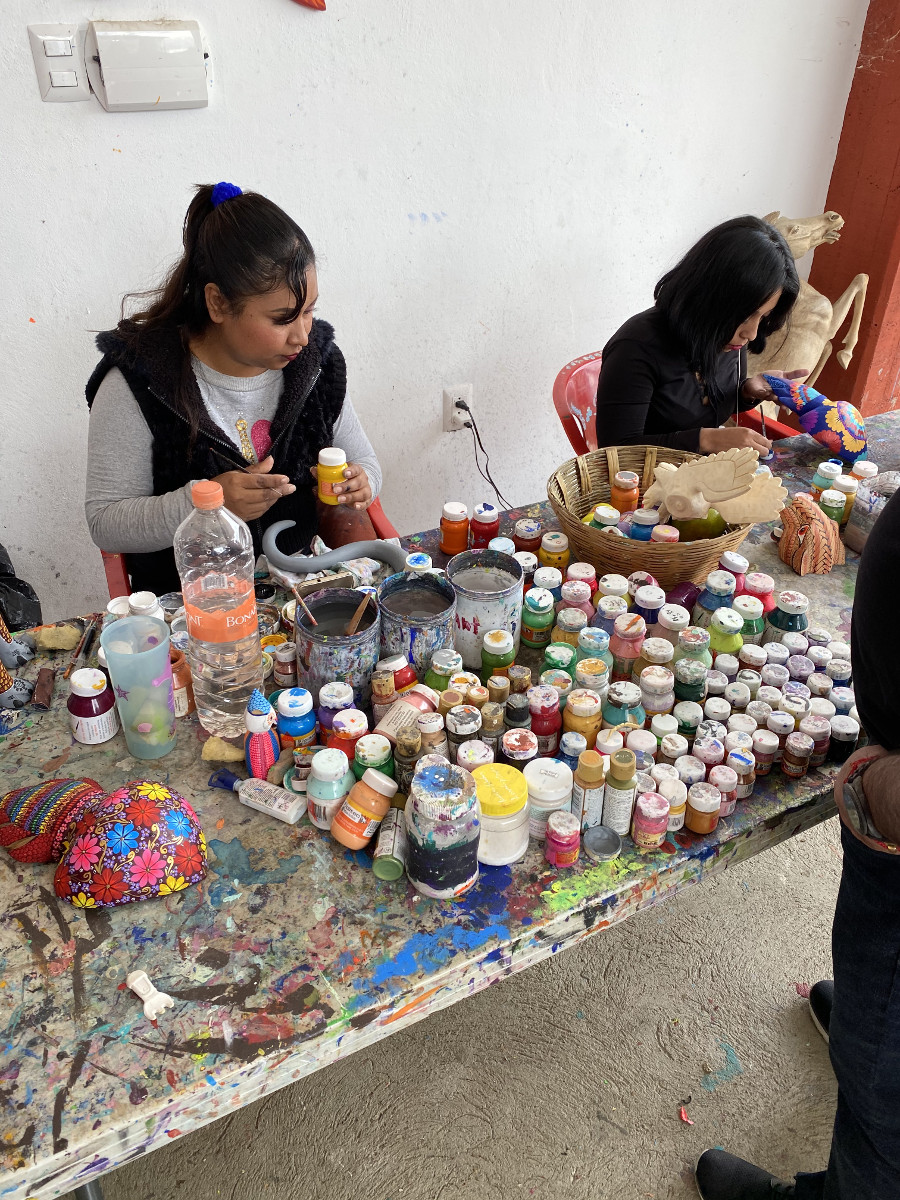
(481, 531)
(624, 517)
(834, 488)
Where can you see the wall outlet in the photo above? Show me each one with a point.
(455, 418)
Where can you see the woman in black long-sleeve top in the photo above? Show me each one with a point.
(674, 374)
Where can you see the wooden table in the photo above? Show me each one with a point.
(291, 954)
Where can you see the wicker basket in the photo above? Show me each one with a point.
(582, 483)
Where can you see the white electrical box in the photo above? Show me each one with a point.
(58, 56)
(138, 65)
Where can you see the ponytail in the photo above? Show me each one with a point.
(247, 246)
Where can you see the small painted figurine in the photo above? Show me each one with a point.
(261, 747)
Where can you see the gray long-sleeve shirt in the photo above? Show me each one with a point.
(122, 513)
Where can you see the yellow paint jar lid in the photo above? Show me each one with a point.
(501, 790)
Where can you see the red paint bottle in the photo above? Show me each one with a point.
(546, 719)
(485, 525)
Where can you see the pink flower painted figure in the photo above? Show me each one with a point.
(147, 868)
(85, 852)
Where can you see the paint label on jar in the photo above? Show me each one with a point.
(548, 744)
(356, 823)
(587, 804)
(181, 701)
(290, 741)
(536, 638)
(392, 840)
(90, 731)
(285, 677)
(676, 820)
(617, 806)
(745, 789)
(399, 716)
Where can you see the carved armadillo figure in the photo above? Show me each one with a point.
(810, 543)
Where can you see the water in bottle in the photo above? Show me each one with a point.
(215, 560)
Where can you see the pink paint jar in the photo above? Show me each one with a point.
(819, 729)
(563, 839)
(726, 780)
(583, 573)
(650, 821)
(664, 533)
(765, 747)
(758, 584)
(576, 593)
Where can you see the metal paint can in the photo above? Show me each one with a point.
(325, 654)
(489, 587)
(408, 627)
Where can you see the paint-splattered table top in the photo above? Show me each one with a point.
(291, 954)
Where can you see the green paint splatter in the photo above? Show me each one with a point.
(849, 586)
(592, 885)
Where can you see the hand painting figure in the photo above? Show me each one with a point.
(860, 1014)
(226, 374)
(674, 374)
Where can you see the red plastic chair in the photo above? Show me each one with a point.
(116, 566)
(775, 430)
(575, 401)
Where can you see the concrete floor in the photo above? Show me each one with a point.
(566, 1080)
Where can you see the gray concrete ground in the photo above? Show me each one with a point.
(566, 1081)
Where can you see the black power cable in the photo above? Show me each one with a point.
(477, 444)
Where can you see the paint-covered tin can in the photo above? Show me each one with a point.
(325, 654)
(489, 587)
(417, 618)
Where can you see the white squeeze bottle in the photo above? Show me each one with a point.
(215, 560)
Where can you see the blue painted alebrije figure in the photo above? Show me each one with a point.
(261, 748)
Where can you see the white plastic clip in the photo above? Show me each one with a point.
(155, 1001)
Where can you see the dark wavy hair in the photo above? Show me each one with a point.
(247, 246)
(721, 281)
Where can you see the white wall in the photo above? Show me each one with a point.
(492, 186)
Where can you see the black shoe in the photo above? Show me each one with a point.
(723, 1176)
(821, 998)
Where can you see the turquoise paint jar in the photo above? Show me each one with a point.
(623, 703)
(788, 616)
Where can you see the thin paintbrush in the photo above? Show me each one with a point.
(312, 620)
(91, 624)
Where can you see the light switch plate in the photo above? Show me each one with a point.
(44, 64)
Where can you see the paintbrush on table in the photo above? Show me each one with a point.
(90, 628)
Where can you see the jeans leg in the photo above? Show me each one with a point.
(810, 1186)
(864, 1032)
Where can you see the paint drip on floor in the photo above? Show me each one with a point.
(730, 1071)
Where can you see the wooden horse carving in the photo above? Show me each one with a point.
(806, 340)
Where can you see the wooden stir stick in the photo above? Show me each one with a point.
(312, 620)
(357, 616)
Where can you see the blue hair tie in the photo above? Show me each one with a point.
(224, 191)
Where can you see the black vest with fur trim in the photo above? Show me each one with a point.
(314, 388)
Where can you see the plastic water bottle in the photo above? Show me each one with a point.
(215, 560)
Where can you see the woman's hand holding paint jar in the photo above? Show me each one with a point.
(355, 488)
(252, 492)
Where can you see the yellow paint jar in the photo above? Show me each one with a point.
(330, 471)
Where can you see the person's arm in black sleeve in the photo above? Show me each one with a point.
(624, 391)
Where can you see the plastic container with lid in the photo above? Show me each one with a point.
(765, 749)
(840, 671)
(795, 642)
(657, 685)
(498, 689)
(663, 725)
(554, 552)
(329, 782)
(762, 586)
(759, 711)
(560, 680)
(648, 601)
(825, 475)
(781, 724)
(644, 745)
(384, 696)
(347, 727)
(609, 741)
(863, 470)
(576, 593)
(362, 810)
(625, 491)
(736, 565)
(832, 504)
(676, 793)
(562, 839)
(538, 617)
(527, 535)
(716, 683)
(549, 784)
(650, 821)
(516, 713)
(847, 486)
(518, 747)
(690, 681)
(693, 642)
(821, 706)
(588, 788)
(484, 526)
(623, 704)
(603, 516)
(502, 545)
(443, 666)
(463, 724)
(612, 584)
(738, 696)
(788, 616)
(725, 778)
(819, 729)
(407, 752)
(625, 644)
(334, 698)
(843, 699)
(594, 643)
(844, 736)
(743, 763)
(750, 610)
(795, 757)
(503, 798)
(819, 656)
(725, 627)
(492, 726)
(497, 653)
(560, 656)
(619, 794)
(643, 521)
(571, 746)
(443, 826)
(454, 528)
(710, 751)
(402, 669)
(550, 579)
(582, 572)
(664, 533)
(688, 714)
(92, 708)
(728, 665)
(569, 623)
(718, 592)
(690, 770)
(433, 734)
(146, 604)
(529, 564)
(546, 720)
(671, 619)
(704, 802)
(474, 754)
(404, 712)
(672, 747)
(373, 750)
(609, 609)
(330, 472)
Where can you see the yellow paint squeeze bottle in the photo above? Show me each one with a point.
(330, 471)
